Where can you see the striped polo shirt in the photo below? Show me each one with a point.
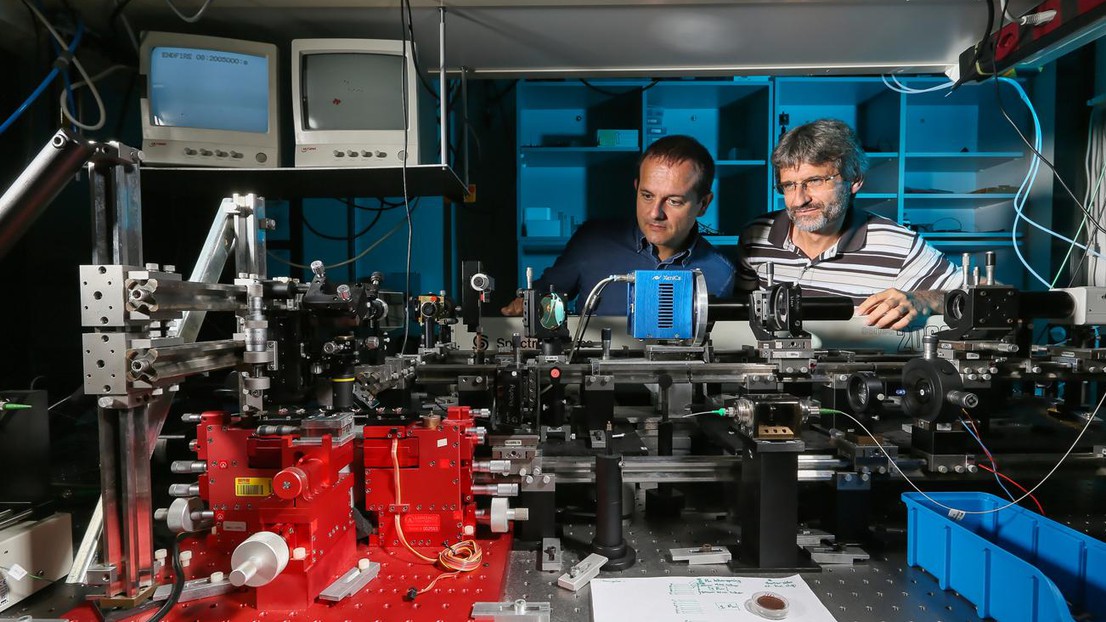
(873, 254)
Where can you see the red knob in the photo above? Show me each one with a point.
(290, 483)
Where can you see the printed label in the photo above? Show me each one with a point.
(17, 572)
(253, 486)
(422, 523)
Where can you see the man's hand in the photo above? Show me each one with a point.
(514, 309)
(896, 309)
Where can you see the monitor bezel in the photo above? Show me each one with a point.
(394, 47)
(269, 139)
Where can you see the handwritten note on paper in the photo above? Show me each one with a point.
(699, 599)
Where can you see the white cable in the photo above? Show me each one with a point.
(1096, 268)
(130, 31)
(404, 82)
(899, 87)
(190, 19)
(1089, 196)
(96, 78)
(80, 69)
(1028, 493)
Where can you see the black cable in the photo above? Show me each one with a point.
(410, 27)
(979, 46)
(178, 581)
(342, 238)
(406, 204)
(495, 99)
(121, 119)
(638, 89)
(369, 208)
(933, 225)
(117, 11)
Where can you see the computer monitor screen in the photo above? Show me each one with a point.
(355, 102)
(209, 101)
(350, 91)
(209, 89)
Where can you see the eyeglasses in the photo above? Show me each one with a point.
(811, 183)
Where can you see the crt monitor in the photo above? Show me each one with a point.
(354, 102)
(209, 101)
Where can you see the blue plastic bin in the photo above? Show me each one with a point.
(1013, 565)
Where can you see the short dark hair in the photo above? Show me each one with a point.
(679, 148)
(825, 141)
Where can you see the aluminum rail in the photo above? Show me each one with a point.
(678, 469)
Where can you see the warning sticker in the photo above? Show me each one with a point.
(422, 523)
(253, 486)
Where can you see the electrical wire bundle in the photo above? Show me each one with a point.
(1095, 201)
(464, 556)
(1093, 205)
(973, 430)
(956, 511)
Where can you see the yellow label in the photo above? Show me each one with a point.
(253, 486)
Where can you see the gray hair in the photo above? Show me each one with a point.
(825, 141)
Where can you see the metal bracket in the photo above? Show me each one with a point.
(196, 589)
(837, 554)
(549, 556)
(100, 574)
(515, 611)
(813, 537)
(351, 582)
(706, 554)
(126, 602)
(582, 573)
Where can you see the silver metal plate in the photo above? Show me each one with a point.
(515, 611)
(582, 573)
(194, 590)
(350, 583)
(706, 554)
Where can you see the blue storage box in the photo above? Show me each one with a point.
(1013, 565)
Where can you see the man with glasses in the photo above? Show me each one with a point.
(828, 246)
(673, 189)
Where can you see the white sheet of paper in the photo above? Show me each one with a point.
(700, 599)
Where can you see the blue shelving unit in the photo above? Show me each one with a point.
(947, 163)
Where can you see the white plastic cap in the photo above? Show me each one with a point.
(217, 577)
(363, 563)
(160, 554)
(186, 556)
(299, 553)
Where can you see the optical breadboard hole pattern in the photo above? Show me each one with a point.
(381, 601)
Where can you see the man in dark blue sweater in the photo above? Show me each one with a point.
(673, 189)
